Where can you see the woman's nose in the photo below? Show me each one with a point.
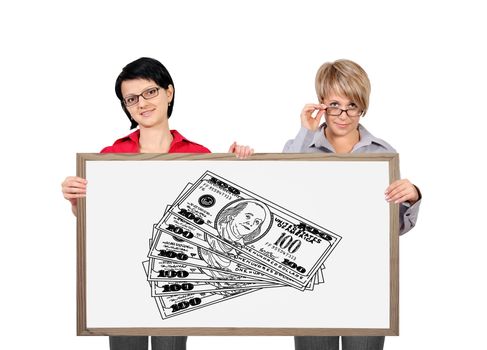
(142, 102)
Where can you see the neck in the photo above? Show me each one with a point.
(155, 139)
(345, 143)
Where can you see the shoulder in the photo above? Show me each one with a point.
(385, 145)
(126, 144)
(373, 143)
(182, 144)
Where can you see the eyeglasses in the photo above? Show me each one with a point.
(336, 112)
(146, 94)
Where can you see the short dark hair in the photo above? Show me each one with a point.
(144, 68)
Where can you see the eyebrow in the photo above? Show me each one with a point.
(347, 103)
(133, 94)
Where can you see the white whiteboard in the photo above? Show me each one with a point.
(344, 194)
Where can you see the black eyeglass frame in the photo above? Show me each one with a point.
(360, 112)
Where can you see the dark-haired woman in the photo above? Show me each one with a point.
(146, 92)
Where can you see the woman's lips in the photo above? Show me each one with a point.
(147, 113)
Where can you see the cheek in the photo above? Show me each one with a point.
(132, 112)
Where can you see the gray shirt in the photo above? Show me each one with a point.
(315, 141)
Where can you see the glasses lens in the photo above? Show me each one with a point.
(353, 112)
(130, 100)
(334, 111)
(150, 93)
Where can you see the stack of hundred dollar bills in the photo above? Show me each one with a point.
(218, 241)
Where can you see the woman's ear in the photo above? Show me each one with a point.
(169, 93)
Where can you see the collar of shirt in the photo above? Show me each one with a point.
(366, 139)
(130, 144)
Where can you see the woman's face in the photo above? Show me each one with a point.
(149, 111)
(343, 124)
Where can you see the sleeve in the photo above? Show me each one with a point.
(299, 143)
(408, 215)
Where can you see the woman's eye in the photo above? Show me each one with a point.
(129, 100)
(352, 106)
(333, 104)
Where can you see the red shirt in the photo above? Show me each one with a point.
(179, 144)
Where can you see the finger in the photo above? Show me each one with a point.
(72, 185)
(403, 197)
(232, 147)
(393, 186)
(74, 188)
(243, 152)
(309, 109)
(246, 152)
(400, 196)
(74, 192)
(75, 179)
(70, 196)
(250, 151)
(320, 114)
(394, 191)
(311, 106)
(74, 182)
(403, 193)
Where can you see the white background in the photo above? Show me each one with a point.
(242, 71)
(356, 289)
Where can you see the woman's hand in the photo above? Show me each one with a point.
(310, 121)
(401, 191)
(74, 187)
(241, 152)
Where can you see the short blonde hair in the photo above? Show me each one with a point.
(343, 77)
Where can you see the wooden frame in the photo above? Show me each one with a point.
(84, 327)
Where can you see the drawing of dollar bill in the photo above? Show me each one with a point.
(170, 271)
(169, 248)
(235, 219)
(214, 254)
(174, 288)
(177, 304)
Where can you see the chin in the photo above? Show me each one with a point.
(147, 123)
(341, 132)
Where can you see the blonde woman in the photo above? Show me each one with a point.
(343, 90)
